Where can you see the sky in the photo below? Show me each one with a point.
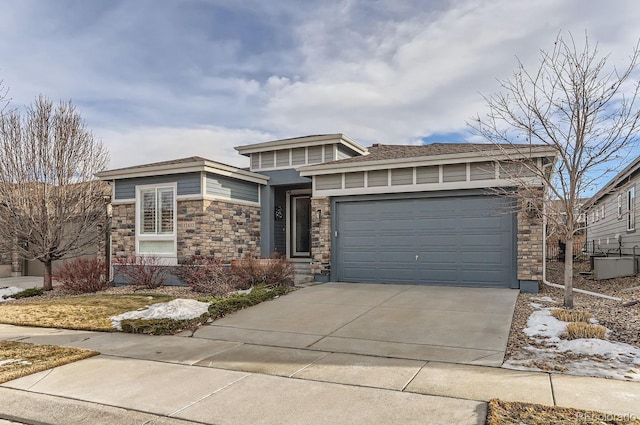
(158, 80)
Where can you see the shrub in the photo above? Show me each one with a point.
(252, 271)
(221, 306)
(83, 275)
(571, 315)
(143, 270)
(162, 326)
(31, 292)
(207, 275)
(578, 330)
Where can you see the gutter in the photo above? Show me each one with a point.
(544, 262)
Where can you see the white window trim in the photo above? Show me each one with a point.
(168, 258)
(619, 206)
(631, 207)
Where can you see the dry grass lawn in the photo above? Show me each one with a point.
(86, 312)
(516, 413)
(19, 359)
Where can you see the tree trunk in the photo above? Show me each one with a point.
(568, 273)
(47, 285)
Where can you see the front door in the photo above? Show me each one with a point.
(300, 226)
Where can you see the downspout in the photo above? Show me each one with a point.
(544, 259)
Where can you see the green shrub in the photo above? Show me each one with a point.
(221, 306)
(162, 326)
(31, 292)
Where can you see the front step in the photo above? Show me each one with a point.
(302, 271)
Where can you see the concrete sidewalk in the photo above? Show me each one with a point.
(179, 378)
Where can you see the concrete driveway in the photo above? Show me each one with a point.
(429, 323)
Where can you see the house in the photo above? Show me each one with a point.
(612, 215)
(389, 213)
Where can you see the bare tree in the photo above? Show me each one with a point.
(584, 109)
(50, 201)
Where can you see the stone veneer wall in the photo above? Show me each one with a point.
(321, 237)
(205, 227)
(530, 240)
(218, 228)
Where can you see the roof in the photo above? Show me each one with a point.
(382, 152)
(616, 181)
(387, 154)
(297, 142)
(183, 165)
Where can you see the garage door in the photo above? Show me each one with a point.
(462, 240)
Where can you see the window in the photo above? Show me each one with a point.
(619, 206)
(631, 207)
(602, 212)
(156, 220)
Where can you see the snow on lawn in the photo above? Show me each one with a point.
(179, 309)
(585, 356)
(9, 291)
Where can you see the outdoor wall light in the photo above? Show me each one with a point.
(319, 214)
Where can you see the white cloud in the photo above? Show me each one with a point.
(146, 145)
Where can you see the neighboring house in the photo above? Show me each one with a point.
(388, 214)
(612, 215)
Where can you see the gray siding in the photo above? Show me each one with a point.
(378, 178)
(315, 154)
(513, 169)
(454, 173)
(427, 175)
(401, 176)
(482, 170)
(282, 158)
(297, 156)
(188, 184)
(328, 153)
(603, 232)
(227, 187)
(255, 161)
(329, 181)
(354, 180)
(268, 159)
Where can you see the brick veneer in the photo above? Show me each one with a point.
(205, 227)
(321, 237)
(530, 241)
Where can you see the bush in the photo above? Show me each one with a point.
(221, 306)
(31, 292)
(579, 330)
(143, 270)
(571, 315)
(162, 326)
(252, 271)
(208, 275)
(83, 275)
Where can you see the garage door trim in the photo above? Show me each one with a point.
(513, 281)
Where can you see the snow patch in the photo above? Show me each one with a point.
(9, 291)
(179, 309)
(586, 356)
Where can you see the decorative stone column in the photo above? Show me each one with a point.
(16, 260)
(530, 241)
(321, 239)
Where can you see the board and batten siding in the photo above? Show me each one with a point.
(603, 230)
(188, 184)
(226, 187)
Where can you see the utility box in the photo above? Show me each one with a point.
(610, 267)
